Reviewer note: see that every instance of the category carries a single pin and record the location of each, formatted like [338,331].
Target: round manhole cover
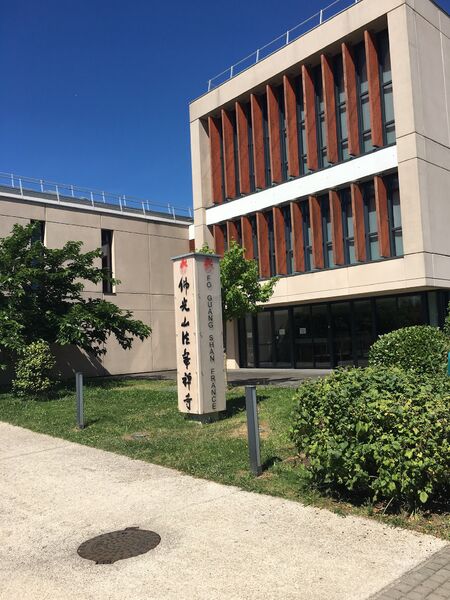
[108,548]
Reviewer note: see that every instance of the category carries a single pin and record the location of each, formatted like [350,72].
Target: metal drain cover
[108,548]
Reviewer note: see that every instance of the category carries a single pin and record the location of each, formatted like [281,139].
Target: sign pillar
[199,334]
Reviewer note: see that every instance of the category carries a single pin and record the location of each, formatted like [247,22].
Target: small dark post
[80,406]
[253,430]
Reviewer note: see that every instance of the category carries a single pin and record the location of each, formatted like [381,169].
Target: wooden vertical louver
[310,119]
[273,115]
[381,202]
[358,222]
[336,227]
[258,141]
[228,155]
[263,245]
[315,215]
[351,97]
[215,142]
[280,241]
[247,237]
[243,156]
[373,78]
[290,103]
[329,96]
[297,237]
[219,240]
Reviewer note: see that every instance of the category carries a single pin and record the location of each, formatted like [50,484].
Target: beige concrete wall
[142,251]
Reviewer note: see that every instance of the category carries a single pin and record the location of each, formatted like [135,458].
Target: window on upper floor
[283,133]
[266,142]
[288,238]
[320,118]
[341,109]
[387,97]
[38,234]
[365,132]
[307,235]
[395,215]
[250,147]
[347,227]
[107,259]
[254,237]
[272,262]
[371,222]
[328,257]
[301,126]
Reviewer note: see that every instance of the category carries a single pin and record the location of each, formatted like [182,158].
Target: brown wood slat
[329,95]
[315,215]
[258,141]
[191,245]
[273,117]
[232,232]
[337,230]
[290,107]
[310,119]
[243,156]
[247,237]
[228,155]
[280,241]
[219,240]
[214,127]
[297,237]
[358,222]
[381,202]
[263,245]
[373,78]
[351,99]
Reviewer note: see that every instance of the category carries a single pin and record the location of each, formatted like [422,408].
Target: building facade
[329,161]
[137,242]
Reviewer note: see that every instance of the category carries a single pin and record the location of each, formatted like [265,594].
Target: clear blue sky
[96,92]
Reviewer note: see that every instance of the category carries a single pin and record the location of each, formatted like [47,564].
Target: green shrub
[447,322]
[376,434]
[420,348]
[33,370]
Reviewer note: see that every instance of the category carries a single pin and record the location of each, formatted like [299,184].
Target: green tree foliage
[33,370]
[242,292]
[447,322]
[41,298]
[420,348]
[380,434]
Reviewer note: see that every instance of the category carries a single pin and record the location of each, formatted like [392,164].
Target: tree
[242,292]
[41,298]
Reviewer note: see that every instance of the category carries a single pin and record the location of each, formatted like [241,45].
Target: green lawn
[117,410]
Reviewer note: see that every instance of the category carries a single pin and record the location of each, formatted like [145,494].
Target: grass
[139,419]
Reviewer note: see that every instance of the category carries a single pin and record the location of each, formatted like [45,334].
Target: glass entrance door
[282,337]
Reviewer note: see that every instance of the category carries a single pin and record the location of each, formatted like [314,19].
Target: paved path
[217,541]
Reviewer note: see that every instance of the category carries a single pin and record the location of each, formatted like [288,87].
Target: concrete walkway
[217,541]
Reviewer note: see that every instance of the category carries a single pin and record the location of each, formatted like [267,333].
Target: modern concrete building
[329,161]
[138,241]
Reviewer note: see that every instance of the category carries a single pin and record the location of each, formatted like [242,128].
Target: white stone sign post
[199,335]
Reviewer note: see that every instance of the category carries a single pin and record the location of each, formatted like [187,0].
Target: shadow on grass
[237,405]
[270,462]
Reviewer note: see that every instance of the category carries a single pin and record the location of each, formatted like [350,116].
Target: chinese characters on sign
[198,321]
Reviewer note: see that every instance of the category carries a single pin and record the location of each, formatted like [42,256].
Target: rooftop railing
[72,194]
[326,13]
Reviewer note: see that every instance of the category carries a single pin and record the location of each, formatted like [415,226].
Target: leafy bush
[33,370]
[376,433]
[420,348]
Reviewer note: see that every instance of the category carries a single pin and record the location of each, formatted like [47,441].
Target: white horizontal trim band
[309,185]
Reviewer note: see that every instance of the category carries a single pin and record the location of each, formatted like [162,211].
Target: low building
[329,161]
[138,240]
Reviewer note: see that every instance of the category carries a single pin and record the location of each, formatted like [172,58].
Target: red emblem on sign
[183,265]
[208,264]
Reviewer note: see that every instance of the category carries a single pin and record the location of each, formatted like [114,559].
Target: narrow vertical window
[327,232]
[307,235]
[395,216]
[387,100]
[107,259]
[341,109]
[38,234]
[288,238]
[347,226]
[283,133]
[269,218]
[235,151]
[266,142]
[254,237]
[301,128]
[248,113]
[365,132]
[371,222]
[224,229]
[320,121]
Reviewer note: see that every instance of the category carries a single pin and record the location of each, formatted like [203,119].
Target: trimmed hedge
[33,370]
[421,348]
[379,434]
